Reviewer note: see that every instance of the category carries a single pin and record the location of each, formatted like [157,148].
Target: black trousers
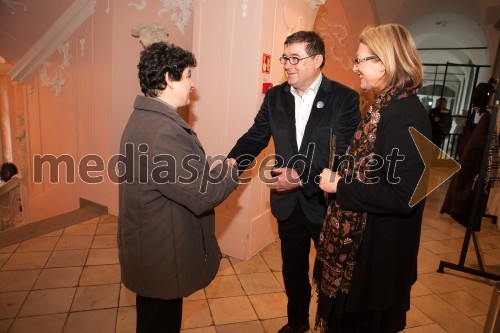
[296,233]
[156,315]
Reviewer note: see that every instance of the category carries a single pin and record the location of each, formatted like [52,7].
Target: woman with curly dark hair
[167,192]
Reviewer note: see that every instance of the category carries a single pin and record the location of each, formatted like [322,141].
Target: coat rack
[475,208]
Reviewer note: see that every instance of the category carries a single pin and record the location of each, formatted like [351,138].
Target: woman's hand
[328,181]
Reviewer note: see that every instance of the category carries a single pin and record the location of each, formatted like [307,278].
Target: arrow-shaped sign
[439,166]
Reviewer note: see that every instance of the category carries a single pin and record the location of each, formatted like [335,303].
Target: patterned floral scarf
[343,229]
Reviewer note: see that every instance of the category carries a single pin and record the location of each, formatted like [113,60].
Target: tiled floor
[69,281]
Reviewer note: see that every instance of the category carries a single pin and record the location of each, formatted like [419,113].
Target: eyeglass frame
[357,60]
[285,58]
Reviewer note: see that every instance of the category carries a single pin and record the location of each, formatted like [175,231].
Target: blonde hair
[395,47]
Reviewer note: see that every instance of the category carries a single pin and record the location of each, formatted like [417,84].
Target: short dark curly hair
[158,59]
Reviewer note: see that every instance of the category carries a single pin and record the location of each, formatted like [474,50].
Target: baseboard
[88,210]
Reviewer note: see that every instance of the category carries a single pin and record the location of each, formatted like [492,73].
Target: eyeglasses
[357,60]
[293,60]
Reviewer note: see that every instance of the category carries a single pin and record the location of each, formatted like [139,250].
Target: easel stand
[474,211]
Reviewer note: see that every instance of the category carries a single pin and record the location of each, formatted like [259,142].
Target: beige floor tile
[106,229]
[425,238]
[465,303]
[432,328]
[225,267]
[104,242]
[272,256]
[253,265]
[437,283]
[18,280]
[38,244]
[419,289]
[103,257]
[223,310]
[273,325]
[197,295]
[47,301]
[102,321]
[80,230]
[259,283]
[5,325]
[493,241]
[96,297]
[436,234]
[269,306]
[106,218]
[415,317]
[127,297]
[279,277]
[11,302]
[126,320]
[58,278]
[481,320]
[224,286]
[95,220]
[73,243]
[196,314]
[3,258]
[481,288]
[445,315]
[245,327]
[438,247]
[26,260]
[9,249]
[67,258]
[102,274]
[208,329]
[428,262]
[46,324]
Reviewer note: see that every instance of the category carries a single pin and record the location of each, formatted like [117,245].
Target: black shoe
[287,329]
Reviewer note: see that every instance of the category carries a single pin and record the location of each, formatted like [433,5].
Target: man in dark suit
[302,115]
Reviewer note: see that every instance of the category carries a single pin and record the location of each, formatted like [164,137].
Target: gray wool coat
[166,223]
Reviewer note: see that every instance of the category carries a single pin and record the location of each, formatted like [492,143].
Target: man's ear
[318,60]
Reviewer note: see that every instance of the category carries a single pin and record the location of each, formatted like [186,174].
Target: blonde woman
[367,258]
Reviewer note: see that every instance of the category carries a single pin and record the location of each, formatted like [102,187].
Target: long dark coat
[166,238]
[387,260]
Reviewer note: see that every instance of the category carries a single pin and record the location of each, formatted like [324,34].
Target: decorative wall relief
[315,3]
[21,137]
[138,6]
[244,7]
[181,14]
[290,28]
[150,33]
[57,81]
[82,45]
[335,35]
[12,5]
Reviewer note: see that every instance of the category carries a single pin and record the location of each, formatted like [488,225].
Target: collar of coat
[156,105]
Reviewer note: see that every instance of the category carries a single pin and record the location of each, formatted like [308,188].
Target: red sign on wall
[266,63]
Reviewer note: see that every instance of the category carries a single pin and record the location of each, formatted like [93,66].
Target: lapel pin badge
[320,104]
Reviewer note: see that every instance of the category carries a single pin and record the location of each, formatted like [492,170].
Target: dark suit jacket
[335,110]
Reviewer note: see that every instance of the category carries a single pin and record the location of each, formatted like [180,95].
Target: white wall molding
[60,31]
